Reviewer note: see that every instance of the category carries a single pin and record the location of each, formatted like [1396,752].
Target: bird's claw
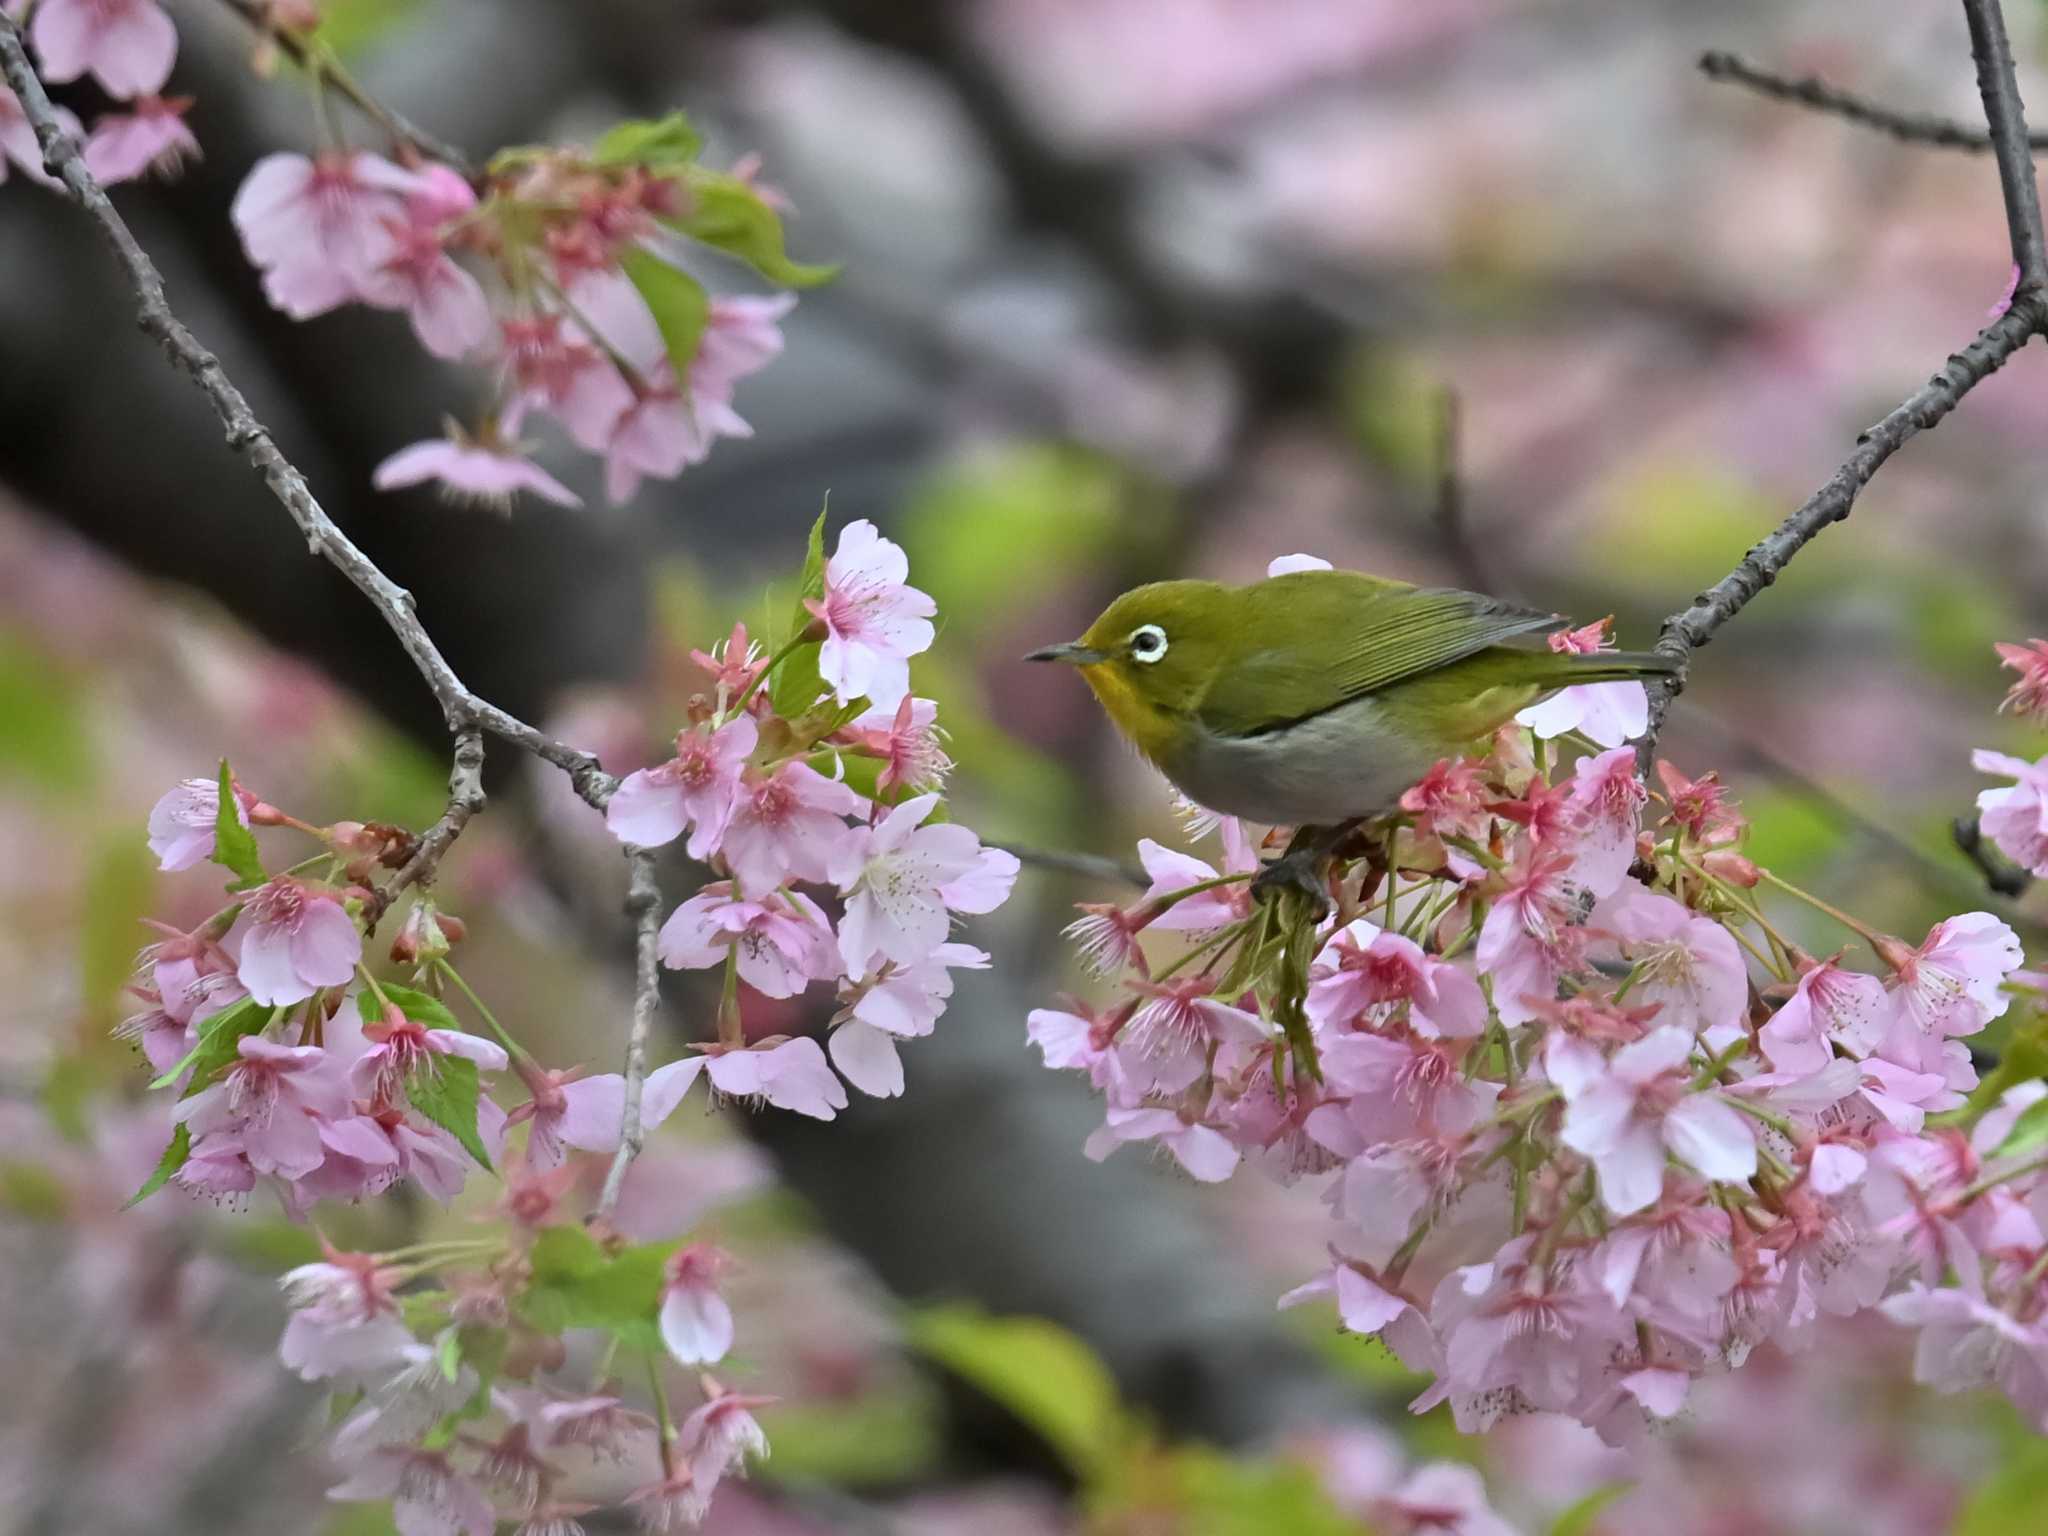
[1299,869]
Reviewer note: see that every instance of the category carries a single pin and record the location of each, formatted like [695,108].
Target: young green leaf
[678,302]
[2029,1133]
[660,143]
[726,213]
[444,1088]
[234,845]
[796,681]
[577,1285]
[173,1159]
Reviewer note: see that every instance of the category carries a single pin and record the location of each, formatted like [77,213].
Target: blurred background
[1132,289]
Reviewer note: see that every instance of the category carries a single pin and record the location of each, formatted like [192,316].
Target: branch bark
[1823,96]
[468,715]
[1690,628]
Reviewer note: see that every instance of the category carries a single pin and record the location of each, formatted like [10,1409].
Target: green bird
[1314,699]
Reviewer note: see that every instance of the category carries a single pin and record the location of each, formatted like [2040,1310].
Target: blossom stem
[1465,845]
[1180,962]
[1991,1181]
[478,1004]
[1861,930]
[663,1416]
[788,649]
[730,1033]
[375,990]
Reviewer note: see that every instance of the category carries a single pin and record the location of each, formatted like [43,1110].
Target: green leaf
[420,1007]
[678,302]
[577,1285]
[726,213]
[444,1088]
[2024,1058]
[234,845]
[2010,1500]
[220,1036]
[2028,1133]
[659,143]
[1580,1518]
[1037,1370]
[796,682]
[173,1159]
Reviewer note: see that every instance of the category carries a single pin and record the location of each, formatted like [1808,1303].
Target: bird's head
[1152,656]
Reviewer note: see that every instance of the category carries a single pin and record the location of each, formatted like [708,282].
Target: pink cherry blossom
[1369,1308]
[908,741]
[18,143]
[2016,817]
[902,1003]
[401,1047]
[697,789]
[784,941]
[1514,1330]
[787,825]
[789,1074]
[553,367]
[1687,964]
[151,138]
[1528,941]
[345,1323]
[1829,1004]
[318,229]
[271,1101]
[1610,713]
[1171,870]
[1203,1152]
[449,312]
[696,1323]
[1951,984]
[1639,1106]
[1607,797]
[742,335]
[291,940]
[716,1439]
[894,877]
[1365,975]
[1444,1498]
[874,622]
[1965,1342]
[126,45]
[181,823]
[2029,692]
[472,472]
[429,1497]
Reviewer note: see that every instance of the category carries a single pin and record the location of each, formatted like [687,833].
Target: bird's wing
[1375,634]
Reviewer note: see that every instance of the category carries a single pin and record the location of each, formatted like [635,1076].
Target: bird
[1314,699]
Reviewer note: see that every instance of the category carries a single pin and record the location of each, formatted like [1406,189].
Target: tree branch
[468,715]
[1690,628]
[1812,91]
[465,799]
[1999,876]
[643,904]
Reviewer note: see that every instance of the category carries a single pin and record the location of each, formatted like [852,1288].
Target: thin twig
[1690,628]
[643,905]
[1812,91]
[1998,83]
[1089,866]
[467,714]
[2003,878]
[259,16]
[465,799]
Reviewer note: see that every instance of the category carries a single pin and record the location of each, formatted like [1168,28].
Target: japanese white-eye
[1318,697]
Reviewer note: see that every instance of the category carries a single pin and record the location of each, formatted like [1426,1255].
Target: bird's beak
[1073,652]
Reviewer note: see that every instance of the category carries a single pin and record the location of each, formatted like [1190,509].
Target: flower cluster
[298,1069]
[127,47]
[2015,817]
[563,271]
[1588,1123]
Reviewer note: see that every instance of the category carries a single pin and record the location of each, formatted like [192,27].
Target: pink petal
[265,966]
[1710,1137]
[696,1324]
[646,811]
[868,1059]
[325,945]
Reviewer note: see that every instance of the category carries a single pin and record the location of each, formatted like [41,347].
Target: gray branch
[643,905]
[1823,96]
[1690,628]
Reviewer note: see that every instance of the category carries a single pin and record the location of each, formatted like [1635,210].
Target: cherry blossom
[787,824]
[696,1323]
[473,471]
[1365,976]
[2029,692]
[151,137]
[907,740]
[400,1046]
[900,1003]
[429,1497]
[784,942]
[1687,964]
[1529,939]
[1202,1151]
[1610,713]
[182,822]
[345,1321]
[874,622]
[895,877]
[1951,984]
[1639,1105]
[789,1074]
[319,229]
[270,1103]
[1829,1004]
[2016,816]
[1171,870]
[18,143]
[716,1439]
[291,940]
[449,312]
[696,789]
[126,45]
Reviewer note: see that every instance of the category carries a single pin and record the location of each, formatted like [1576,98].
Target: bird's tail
[1613,667]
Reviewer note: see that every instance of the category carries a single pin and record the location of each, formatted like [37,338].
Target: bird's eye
[1148,643]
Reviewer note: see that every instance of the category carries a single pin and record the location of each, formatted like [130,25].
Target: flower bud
[1726,864]
[424,937]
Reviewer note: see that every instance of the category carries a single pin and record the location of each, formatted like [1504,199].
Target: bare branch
[1998,83]
[2001,877]
[465,799]
[643,904]
[1812,91]
[1690,628]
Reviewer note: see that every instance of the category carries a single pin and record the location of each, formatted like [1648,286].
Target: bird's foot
[1303,868]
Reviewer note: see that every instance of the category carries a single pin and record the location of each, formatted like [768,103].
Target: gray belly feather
[1342,763]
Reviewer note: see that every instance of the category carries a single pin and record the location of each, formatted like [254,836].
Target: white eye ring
[1148,643]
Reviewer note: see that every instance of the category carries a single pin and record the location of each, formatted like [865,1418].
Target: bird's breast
[1342,763]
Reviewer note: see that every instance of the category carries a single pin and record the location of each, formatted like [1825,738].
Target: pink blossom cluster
[127,48]
[2015,816]
[1588,1123]
[562,271]
[761,790]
